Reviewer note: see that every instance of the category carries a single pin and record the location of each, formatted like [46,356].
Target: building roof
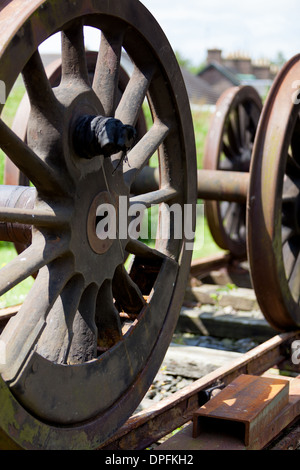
[199,91]
[225,71]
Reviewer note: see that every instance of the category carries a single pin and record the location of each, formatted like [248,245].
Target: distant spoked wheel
[273,201]
[91,334]
[228,147]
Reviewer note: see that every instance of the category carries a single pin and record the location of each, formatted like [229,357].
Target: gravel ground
[165,384]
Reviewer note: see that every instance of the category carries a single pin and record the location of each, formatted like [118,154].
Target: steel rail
[150,425]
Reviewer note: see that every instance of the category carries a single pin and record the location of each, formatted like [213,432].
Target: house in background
[199,91]
[236,69]
[218,77]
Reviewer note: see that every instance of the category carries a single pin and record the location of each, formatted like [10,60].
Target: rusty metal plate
[244,408]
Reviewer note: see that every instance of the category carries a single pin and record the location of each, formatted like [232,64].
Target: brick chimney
[214,55]
[239,63]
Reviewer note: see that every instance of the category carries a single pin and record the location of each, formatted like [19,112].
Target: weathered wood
[239,298]
[225,324]
[195,362]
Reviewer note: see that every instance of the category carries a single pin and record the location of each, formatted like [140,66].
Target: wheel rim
[229,146]
[54,371]
[273,233]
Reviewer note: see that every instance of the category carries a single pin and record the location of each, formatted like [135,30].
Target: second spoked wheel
[274,203]
[92,332]
[228,147]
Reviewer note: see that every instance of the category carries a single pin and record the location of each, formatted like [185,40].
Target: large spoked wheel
[273,215]
[91,334]
[229,146]
[12,174]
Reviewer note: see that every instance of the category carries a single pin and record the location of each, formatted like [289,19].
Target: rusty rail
[147,427]
[150,425]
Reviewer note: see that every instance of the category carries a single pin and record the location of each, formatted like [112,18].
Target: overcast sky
[259,28]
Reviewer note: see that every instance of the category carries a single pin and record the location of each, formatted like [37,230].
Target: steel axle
[212,185]
[218,185]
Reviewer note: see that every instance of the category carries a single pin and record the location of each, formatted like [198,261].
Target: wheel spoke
[289,201]
[38,87]
[138,248]
[232,217]
[290,190]
[286,234]
[225,209]
[154,197]
[249,139]
[295,142]
[228,151]
[28,162]
[235,220]
[294,278]
[254,113]
[243,122]
[127,294]
[226,164]
[139,156]
[228,212]
[106,78]
[56,339]
[292,168]
[35,217]
[74,65]
[84,340]
[133,97]
[289,257]
[242,232]
[23,331]
[107,318]
[29,262]
[235,123]
[232,135]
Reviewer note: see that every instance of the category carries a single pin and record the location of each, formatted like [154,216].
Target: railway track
[152,426]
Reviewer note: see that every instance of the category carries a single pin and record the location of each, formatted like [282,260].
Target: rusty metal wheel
[273,200]
[228,147]
[91,334]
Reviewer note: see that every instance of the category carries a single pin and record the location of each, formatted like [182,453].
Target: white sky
[259,28]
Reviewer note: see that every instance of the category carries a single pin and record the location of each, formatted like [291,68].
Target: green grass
[16,295]
[201,120]
[204,244]
[7,250]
